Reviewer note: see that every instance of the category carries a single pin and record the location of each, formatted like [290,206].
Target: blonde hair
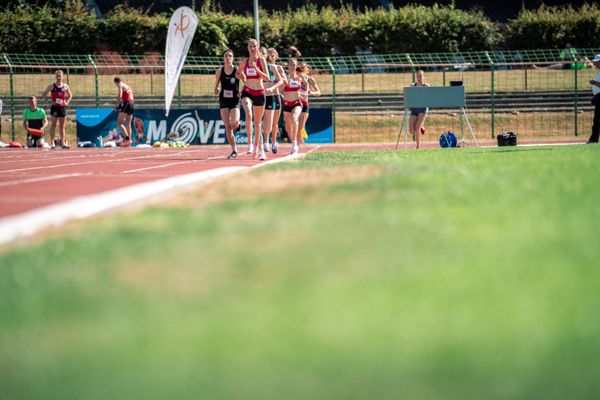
[271,51]
[254,41]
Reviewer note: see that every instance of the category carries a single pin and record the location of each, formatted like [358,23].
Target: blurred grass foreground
[439,274]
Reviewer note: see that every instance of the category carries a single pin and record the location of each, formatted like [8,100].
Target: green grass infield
[437,274]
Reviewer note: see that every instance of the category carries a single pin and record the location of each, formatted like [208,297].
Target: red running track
[34,178]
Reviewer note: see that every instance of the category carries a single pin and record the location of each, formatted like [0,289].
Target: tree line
[73,29]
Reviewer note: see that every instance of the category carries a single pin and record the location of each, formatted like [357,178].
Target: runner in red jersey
[292,106]
[252,71]
[61,96]
[124,107]
[309,87]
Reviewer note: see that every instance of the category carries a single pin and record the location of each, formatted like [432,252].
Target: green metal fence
[531,92]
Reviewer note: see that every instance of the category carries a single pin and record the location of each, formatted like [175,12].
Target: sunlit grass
[440,274]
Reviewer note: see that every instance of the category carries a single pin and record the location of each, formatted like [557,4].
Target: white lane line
[76,163]
[41,179]
[29,223]
[289,157]
[171,164]
[103,160]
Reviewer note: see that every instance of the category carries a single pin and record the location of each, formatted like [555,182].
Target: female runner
[273,105]
[252,71]
[418,115]
[309,87]
[292,107]
[226,79]
[124,106]
[61,97]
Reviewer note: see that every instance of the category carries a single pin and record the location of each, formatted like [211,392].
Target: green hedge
[317,32]
[32,29]
[551,27]
[426,29]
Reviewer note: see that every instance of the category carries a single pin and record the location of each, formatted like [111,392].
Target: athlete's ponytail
[303,68]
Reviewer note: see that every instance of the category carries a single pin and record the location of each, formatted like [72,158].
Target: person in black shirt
[227,87]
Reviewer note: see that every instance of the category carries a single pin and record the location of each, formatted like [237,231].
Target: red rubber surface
[33,178]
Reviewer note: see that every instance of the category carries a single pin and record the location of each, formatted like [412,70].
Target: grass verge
[438,274]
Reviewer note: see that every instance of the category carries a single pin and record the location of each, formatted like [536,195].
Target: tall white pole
[256,26]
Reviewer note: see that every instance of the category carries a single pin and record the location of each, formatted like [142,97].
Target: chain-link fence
[534,93]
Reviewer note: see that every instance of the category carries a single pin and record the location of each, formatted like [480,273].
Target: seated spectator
[34,123]
[569,53]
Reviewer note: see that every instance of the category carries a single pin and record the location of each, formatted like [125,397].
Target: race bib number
[251,72]
[59,101]
[228,93]
[294,84]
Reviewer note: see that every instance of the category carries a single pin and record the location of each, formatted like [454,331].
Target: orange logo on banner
[181,27]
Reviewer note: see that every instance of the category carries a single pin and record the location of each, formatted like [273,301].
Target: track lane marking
[171,164]
[43,179]
[30,222]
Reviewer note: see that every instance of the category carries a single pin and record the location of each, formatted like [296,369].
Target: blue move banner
[193,126]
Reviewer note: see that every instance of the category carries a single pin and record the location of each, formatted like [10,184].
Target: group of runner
[267,90]
[34,118]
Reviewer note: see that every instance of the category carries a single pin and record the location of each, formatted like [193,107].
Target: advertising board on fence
[193,126]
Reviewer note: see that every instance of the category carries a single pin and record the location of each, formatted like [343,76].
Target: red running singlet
[127,96]
[58,95]
[293,85]
[250,72]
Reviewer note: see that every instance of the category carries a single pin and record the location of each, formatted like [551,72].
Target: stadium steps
[362,103]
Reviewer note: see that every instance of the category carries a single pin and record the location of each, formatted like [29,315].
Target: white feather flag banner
[179,38]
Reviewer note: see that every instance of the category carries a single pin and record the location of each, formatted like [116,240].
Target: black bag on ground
[507,139]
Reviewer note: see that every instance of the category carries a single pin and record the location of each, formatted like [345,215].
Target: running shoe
[126,143]
[275,148]
[250,149]
[262,156]
[294,149]
[266,148]
[66,145]
[233,155]
[422,130]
